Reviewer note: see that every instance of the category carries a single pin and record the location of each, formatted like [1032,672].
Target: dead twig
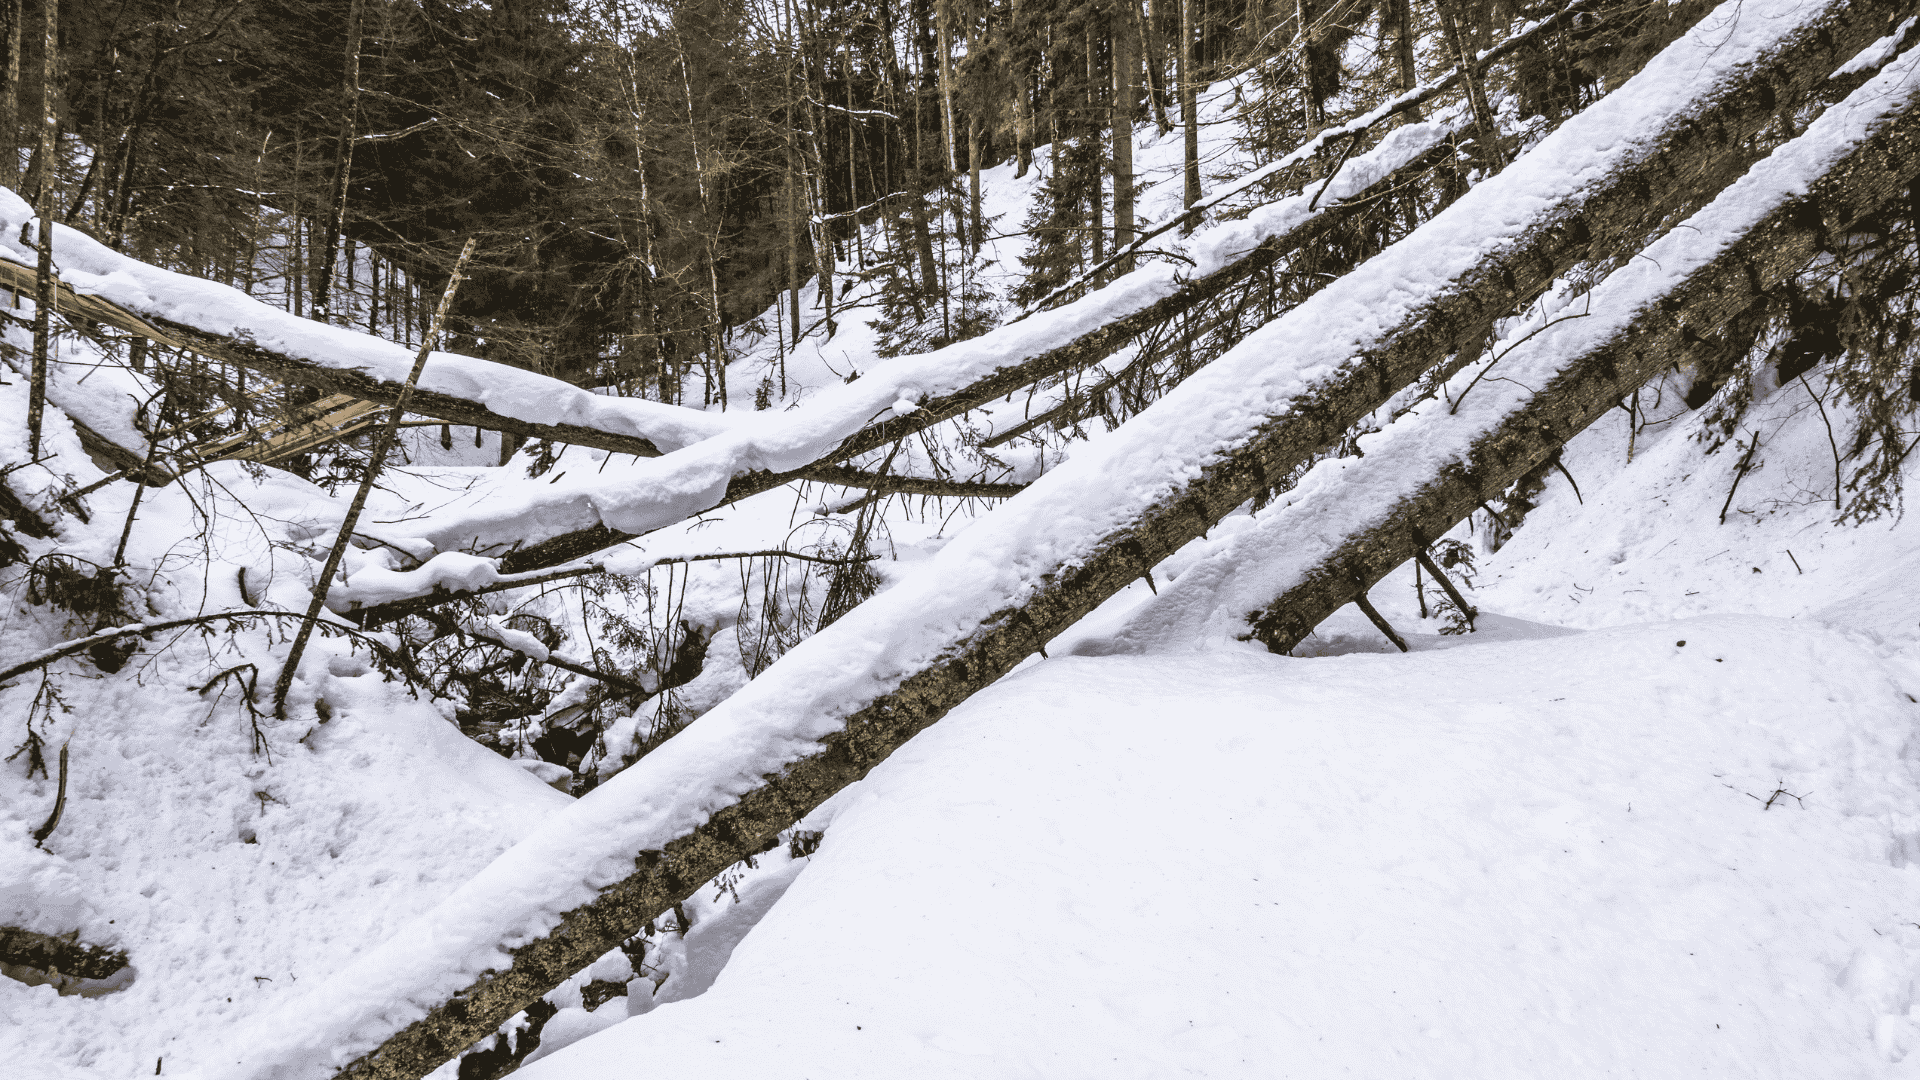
[59,804]
[381,447]
[1739,473]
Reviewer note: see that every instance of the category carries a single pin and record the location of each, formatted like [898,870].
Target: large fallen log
[1664,175]
[100,285]
[1277,581]
[835,706]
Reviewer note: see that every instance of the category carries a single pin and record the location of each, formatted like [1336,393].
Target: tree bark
[1680,329]
[14,12]
[1022,80]
[1126,93]
[44,284]
[65,954]
[1396,26]
[944,20]
[1154,55]
[1487,142]
[1189,119]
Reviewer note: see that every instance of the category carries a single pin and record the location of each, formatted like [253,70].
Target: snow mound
[1608,853]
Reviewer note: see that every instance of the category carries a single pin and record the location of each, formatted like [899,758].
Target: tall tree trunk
[944,20]
[1306,15]
[814,178]
[1126,92]
[1189,118]
[1154,53]
[14,12]
[974,153]
[717,343]
[1096,203]
[43,298]
[342,168]
[1021,76]
[297,260]
[1396,26]
[1486,148]
[794,203]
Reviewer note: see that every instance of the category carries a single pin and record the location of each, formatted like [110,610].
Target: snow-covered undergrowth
[228,855]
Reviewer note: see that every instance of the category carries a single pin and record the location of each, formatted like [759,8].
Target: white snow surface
[778,717]
[185,845]
[1529,859]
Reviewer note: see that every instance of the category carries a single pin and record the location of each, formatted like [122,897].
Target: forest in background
[644,179]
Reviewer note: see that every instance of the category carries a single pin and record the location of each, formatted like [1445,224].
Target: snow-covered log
[1353,520]
[1674,159]
[841,701]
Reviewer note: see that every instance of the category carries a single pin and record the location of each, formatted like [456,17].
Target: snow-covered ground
[1540,858]
[1659,817]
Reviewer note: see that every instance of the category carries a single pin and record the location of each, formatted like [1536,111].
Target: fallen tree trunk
[1480,456]
[834,707]
[1689,161]
[299,371]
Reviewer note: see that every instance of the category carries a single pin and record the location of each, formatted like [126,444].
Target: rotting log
[1682,328]
[975,659]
